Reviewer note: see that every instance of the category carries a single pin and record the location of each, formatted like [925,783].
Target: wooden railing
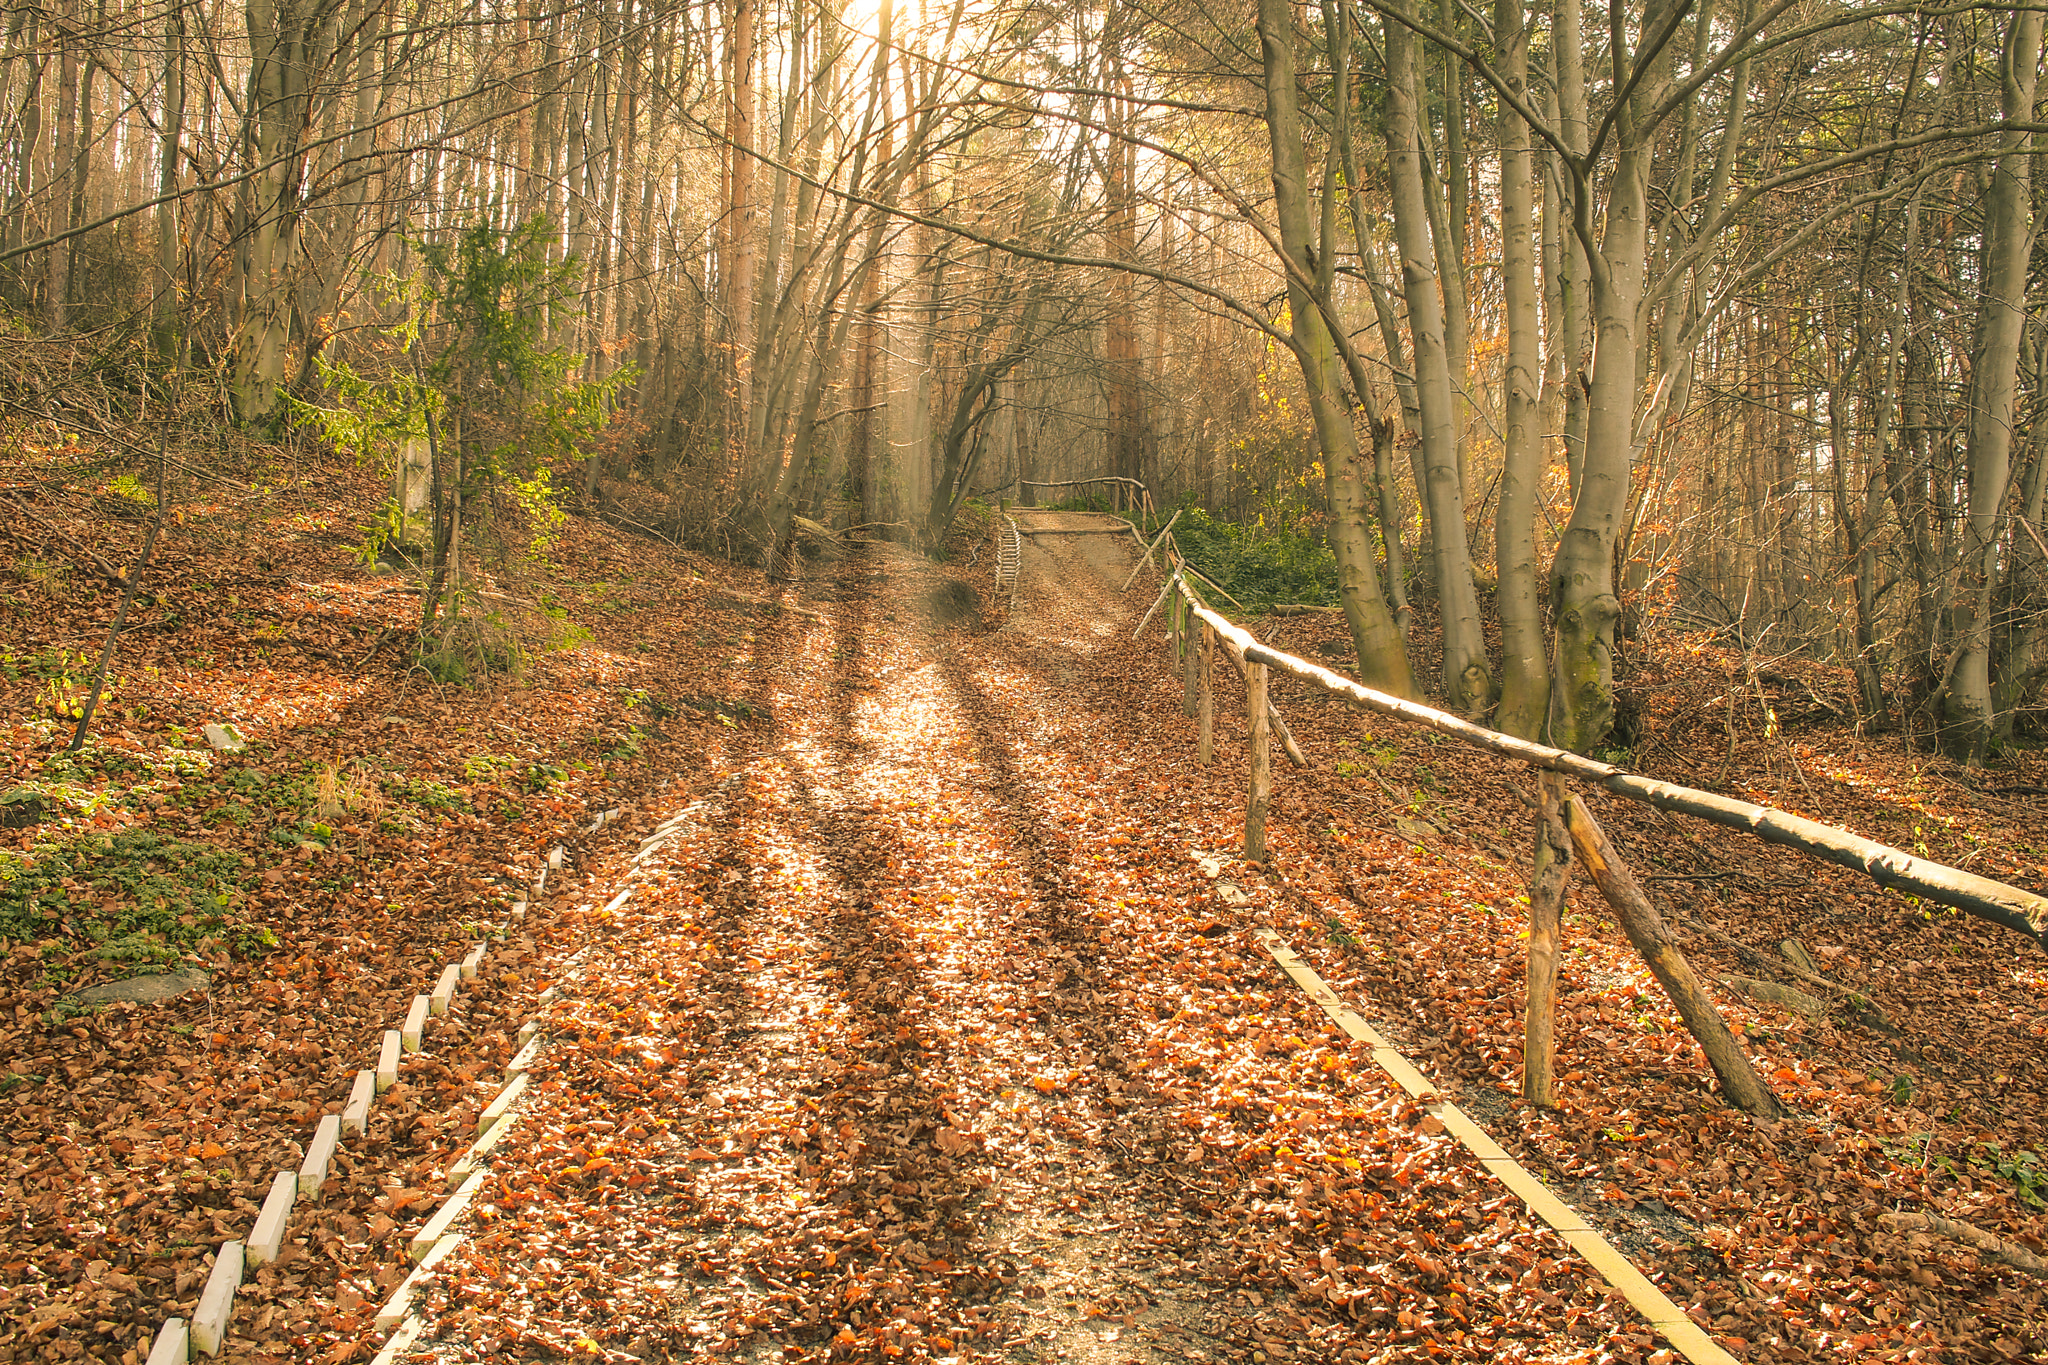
[1565,825]
[1126,495]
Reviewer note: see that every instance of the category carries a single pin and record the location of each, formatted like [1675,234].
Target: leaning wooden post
[1553,868]
[1189,665]
[1645,927]
[1262,763]
[1205,744]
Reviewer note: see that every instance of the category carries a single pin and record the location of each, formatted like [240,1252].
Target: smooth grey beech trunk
[1468,681]
[1968,714]
[1573,324]
[1582,573]
[1382,659]
[1524,675]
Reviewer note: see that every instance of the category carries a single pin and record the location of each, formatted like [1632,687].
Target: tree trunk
[289,41]
[1382,660]
[24,41]
[1260,795]
[1120,344]
[1969,716]
[2017,674]
[1525,675]
[1468,682]
[1575,329]
[1582,574]
[1450,213]
[738,275]
[169,216]
[64,174]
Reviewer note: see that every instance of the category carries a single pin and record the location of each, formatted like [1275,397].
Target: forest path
[924,1031]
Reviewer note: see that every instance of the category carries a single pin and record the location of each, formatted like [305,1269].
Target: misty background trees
[1554,323]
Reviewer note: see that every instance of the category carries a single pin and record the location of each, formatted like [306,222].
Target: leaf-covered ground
[935,1025]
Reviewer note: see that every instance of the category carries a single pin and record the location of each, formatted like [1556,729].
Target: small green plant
[383,532]
[420,791]
[562,633]
[192,765]
[48,578]
[131,490]
[481,767]
[138,949]
[540,777]
[2024,1169]
[471,645]
[627,744]
[87,763]
[55,665]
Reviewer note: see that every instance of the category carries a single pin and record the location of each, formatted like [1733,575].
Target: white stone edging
[179,1341]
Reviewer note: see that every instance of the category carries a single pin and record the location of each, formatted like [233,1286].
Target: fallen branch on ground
[1976,1238]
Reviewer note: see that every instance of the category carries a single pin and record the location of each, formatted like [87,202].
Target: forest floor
[935,1024]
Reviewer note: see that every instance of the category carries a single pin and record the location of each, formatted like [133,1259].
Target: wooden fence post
[1205,744]
[1189,666]
[1553,868]
[1262,763]
[1645,927]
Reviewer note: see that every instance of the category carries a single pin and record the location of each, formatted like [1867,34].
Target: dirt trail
[889,1055]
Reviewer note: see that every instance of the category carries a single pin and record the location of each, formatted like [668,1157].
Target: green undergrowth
[141,896]
[1257,563]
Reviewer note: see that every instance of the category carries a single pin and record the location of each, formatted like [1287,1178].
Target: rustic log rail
[2007,906]
[1995,901]
[1130,494]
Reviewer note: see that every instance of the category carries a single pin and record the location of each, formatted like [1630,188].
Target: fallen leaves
[930,1027]
[355,857]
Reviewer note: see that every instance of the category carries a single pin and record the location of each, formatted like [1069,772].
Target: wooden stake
[1156,604]
[1205,743]
[1139,567]
[1553,868]
[1262,764]
[1188,665]
[1645,927]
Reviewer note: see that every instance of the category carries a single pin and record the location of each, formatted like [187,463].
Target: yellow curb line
[1666,1318]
